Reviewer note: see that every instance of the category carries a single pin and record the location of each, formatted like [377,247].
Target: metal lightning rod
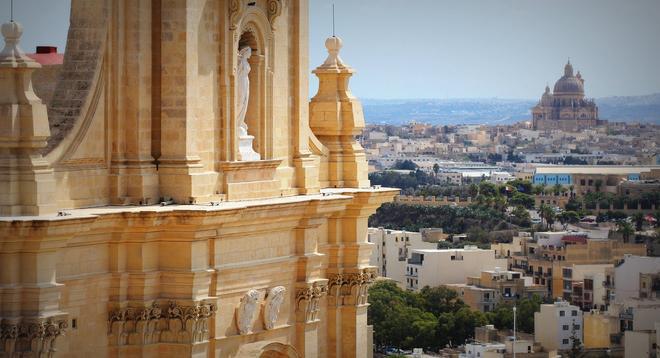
[11,10]
[333,20]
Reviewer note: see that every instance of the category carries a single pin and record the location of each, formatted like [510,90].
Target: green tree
[625,229]
[568,217]
[522,217]
[556,189]
[547,213]
[520,199]
[405,165]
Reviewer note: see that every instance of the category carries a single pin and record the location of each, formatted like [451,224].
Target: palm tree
[547,214]
[625,229]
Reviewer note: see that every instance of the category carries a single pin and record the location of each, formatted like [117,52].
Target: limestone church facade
[180,195]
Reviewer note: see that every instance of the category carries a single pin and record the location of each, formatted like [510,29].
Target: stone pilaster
[181,172]
[335,119]
[349,272]
[27,185]
[134,177]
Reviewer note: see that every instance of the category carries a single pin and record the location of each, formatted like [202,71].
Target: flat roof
[594,169]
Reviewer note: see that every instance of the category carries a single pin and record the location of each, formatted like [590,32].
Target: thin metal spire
[333,19]
[11,12]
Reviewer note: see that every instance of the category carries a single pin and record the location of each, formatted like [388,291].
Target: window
[564,341]
[582,182]
[576,327]
[574,313]
[562,313]
[565,327]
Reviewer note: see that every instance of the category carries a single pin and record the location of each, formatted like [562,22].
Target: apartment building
[545,257]
[492,287]
[433,267]
[393,248]
[557,325]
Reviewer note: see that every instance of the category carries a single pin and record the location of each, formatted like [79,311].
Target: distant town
[550,222]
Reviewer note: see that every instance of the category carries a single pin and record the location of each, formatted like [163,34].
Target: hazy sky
[459,48]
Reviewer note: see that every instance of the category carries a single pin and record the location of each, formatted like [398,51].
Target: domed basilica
[565,108]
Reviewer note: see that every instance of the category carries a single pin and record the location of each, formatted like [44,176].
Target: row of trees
[435,317]
[453,220]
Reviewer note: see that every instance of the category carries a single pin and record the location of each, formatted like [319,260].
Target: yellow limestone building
[180,195]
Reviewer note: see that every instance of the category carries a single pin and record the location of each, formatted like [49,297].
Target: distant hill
[498,111]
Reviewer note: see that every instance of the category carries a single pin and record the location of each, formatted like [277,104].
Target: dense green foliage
[435,317]
[502,316]
[453,220]
[429,319]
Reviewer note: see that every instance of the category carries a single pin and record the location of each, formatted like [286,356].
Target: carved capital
[31,335]
[351,288]
[307,299]
[166,322]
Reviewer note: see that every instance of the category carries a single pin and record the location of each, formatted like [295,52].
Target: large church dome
[569,84]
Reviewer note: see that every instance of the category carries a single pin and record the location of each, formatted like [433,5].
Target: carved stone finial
[12,54]
[333,45]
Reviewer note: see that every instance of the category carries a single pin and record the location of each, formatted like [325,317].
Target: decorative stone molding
[237,9]
[246,312]
[272,306]
[307,299]
[351,288]
[27,337]
[274,11]
[160,323]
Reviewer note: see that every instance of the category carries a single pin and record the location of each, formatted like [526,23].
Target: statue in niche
[246,152]
[243,88]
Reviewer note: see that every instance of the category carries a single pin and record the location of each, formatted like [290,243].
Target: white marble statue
[243,89]
[245,149]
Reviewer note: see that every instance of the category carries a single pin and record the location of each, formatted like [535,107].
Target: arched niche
[255,32]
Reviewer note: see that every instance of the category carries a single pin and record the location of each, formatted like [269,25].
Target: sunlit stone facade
[129,226]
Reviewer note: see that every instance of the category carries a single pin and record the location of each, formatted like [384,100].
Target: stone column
[336,118]
[134,177]
[27,186]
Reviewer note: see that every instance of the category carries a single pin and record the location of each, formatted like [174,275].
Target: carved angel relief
[272,306]
[246,312]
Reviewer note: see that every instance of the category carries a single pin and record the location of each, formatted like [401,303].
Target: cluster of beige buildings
[131,223]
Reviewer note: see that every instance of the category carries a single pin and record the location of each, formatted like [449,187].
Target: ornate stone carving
[160,323]
[274,11]
[237,9]
[351,288]
[272,306]
[31,336]
[307,299]
[246,312]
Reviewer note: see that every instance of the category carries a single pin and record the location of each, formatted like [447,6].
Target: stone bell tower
[26,179]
